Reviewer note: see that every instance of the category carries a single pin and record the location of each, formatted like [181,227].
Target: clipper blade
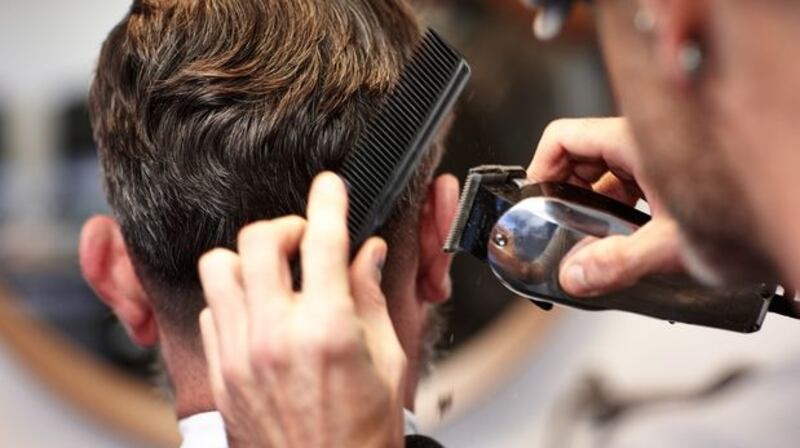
[453,242]
[480,205]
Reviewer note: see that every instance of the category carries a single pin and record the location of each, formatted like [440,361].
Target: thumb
[366,274]
[617,262]
[370,306]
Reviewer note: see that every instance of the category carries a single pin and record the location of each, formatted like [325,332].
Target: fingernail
[576,278]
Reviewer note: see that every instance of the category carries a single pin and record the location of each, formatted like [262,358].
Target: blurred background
[510,374]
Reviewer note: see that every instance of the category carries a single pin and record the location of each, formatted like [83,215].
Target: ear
[433,279]
[109,271]
[679,22]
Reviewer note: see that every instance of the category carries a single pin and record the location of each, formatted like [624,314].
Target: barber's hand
[321,367]
[601,154]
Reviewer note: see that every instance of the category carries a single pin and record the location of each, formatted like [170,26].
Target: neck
[187,371]
[186,365]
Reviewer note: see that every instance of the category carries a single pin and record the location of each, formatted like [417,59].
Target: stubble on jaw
[682,157]
[689,171]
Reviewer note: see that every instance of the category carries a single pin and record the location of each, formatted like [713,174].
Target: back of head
[210,114]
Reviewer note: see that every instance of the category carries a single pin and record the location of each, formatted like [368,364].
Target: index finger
[583,150]
[325,249]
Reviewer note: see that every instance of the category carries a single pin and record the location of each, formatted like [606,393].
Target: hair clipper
[524,230]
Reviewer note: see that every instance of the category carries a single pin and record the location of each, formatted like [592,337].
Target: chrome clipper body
[523,231]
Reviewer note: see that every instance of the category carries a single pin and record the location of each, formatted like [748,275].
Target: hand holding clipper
[601,155]
[527,232]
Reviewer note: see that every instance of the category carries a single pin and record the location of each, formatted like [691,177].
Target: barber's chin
[716,266]
[700,268]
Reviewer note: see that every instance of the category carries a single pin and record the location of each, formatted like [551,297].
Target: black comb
[390,148]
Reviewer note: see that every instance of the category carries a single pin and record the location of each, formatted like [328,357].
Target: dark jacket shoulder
[421,442]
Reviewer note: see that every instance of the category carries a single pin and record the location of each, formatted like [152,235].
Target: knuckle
[255,233]
[272,353]
[329,342]
[328,242]
[556,126]
[552,126]
[293,220]
[612,261]
[284,229]
[211,261]
[340,347]
[233,375]
[215,292]
[346,344]
[330,236]
[621,123]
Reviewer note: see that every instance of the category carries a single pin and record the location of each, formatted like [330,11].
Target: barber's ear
[108,269]
[438,213]
[679,23]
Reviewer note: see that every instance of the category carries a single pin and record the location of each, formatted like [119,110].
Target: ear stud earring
[691,58]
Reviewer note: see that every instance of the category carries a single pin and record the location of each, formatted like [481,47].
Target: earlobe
[679,51]
[438,213]
[108,269]
[671,54]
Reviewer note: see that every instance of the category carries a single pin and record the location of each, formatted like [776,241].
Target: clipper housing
[524,231]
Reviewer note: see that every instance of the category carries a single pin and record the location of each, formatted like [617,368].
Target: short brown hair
[210,114]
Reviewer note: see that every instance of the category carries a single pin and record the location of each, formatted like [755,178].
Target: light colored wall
[47,52]
[30,30]
[32,417]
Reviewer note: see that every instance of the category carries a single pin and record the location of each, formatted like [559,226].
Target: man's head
[708,86]
[211,114]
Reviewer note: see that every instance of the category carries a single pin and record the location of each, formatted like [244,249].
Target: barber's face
[682,141]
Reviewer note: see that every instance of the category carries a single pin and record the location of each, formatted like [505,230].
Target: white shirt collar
[411,423]
[207,430]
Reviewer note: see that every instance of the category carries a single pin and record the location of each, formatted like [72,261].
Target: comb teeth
[391,146]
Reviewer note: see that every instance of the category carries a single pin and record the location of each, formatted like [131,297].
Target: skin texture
[316,367]
[322,366]
[601,154]
[694,143]
[423,284]
[686,129]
